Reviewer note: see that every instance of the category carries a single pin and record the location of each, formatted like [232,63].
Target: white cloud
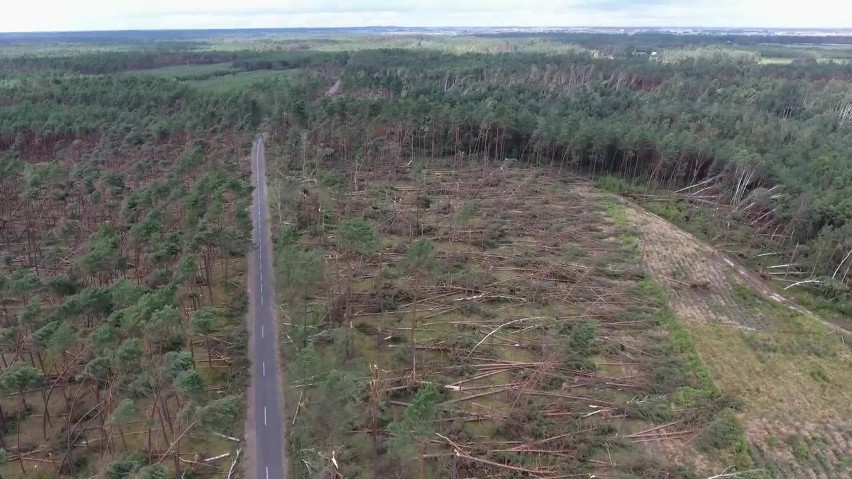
[46,15]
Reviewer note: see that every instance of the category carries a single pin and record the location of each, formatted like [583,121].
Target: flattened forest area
[553,255]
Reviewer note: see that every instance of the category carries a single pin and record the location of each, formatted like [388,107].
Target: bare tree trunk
[413,343]
[165,412]
[18,432]
[5,311]
[123,439]
[841,264]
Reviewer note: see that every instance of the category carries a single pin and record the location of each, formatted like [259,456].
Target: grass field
[216,78]
[791,370]
[186,71]
[451,44]
[239,81]
[775,61]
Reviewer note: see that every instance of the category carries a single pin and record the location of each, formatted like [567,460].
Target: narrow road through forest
[265,425]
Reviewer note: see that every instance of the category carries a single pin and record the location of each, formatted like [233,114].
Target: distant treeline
[668,40]
[121,61]
[755,128]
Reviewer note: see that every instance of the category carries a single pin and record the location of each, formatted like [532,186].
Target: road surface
[265,428]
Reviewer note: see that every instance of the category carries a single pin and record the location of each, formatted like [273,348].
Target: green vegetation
[188,72]
[240,81]
[448,358]
[123,224]
[453,292]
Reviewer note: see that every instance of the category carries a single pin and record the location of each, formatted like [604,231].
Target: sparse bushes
[123,468]
[618,215]
[409,436]
[333,180]
[423,202]
[655,409]
[467,212]
[722,432]
[617,185]
[332,409]
[461,276]
[799,447]
[221,415]
[579,344]
[490,237]
[765,344]
[818,375]
[644,467]
[650,292]
[668,374]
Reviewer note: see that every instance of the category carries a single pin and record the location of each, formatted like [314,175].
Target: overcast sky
[51,15]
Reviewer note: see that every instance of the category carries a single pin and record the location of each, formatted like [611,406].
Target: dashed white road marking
[264,415]
[264,369]
[262,335]
[261,300]
[267,473]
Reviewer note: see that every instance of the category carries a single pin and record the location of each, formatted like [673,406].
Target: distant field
[775,61]
[52,49]
[226,83]
[220,76]
[186,71]
[457,45]
[788,61]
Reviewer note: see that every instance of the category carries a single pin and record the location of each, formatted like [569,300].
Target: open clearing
[791,370]
[554,352]
[186,71]
[239,81]
[215,78]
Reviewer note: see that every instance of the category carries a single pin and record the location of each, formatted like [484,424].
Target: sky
[72,15]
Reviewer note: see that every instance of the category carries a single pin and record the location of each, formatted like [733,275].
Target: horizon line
[844,30]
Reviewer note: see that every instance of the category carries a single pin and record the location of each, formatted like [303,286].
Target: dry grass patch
[791,370]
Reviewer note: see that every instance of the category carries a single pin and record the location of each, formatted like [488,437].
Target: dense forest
[124,221]
[124,225]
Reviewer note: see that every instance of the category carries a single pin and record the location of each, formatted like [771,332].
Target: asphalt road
[266,424]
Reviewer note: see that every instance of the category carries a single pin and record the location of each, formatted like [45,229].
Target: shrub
[651,292]
[654,409]
[424,202]
[580,343]
[800,448]
[616,185]
[123,468]
[724,431]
